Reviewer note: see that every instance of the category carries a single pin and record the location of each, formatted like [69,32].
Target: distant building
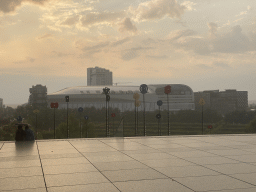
[99,76]
[1,103]
[121,97]
[222,101]
[38,96]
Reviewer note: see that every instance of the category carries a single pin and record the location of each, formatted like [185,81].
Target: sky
[205,44]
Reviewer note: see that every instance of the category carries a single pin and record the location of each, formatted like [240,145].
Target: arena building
[121,97]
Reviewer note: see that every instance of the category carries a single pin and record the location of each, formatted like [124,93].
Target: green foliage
[8,132]
[251,128]
[242,117]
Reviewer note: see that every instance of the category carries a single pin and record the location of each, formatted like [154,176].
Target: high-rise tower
[99,76]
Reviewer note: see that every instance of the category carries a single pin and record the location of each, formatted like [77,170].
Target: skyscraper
[99,76]
[38,96]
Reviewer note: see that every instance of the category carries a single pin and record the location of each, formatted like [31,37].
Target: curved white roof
[152,88]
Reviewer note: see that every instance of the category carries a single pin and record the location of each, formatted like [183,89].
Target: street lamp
[202,103]
[54,106]
[80,110]
[158,116]
[106,91]
[144,90]
[36,111]
[67,100]
[167,90]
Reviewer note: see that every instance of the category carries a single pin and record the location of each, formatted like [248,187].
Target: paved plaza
[223,163]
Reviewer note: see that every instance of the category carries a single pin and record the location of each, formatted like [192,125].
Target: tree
[251,128]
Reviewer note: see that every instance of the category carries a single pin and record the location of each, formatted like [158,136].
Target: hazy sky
[205,44]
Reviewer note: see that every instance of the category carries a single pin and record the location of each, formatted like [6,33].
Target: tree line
[43,122]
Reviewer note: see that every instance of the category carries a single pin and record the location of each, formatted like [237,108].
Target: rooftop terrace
[222,163]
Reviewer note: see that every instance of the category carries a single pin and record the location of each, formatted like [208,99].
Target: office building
[222,101]
[38,96]
[99,76]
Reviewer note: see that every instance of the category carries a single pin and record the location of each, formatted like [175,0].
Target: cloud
[232,42]
[89,51]
[241,13]
[120,42]
[149,41]
[213,28]
[175,35]
[132,53]
[129,55]
[158,57]
[100,18]
[31,59]
[28,59]
[8,6]
[69,21]
[203,66]
[157,9]
[48,35]
[222,65]
[127,25]
[61,54]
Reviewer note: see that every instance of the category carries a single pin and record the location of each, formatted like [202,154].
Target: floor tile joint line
[95,167]
[200,164]
[2,146]
[150,167]
[41,167]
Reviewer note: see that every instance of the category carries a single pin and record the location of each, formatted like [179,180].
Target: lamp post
[36,111]
[144,90]
[113,125]
[202,103]
[159,103]
[54,106]
[136,96]
[167,90]
[86,122]
[80,110]
[106,91]
[67,100]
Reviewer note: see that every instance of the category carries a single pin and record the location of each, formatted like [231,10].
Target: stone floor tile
[218,182]
[75,179]
[73,168]
[166,162]
[230,152]
[210,160]
[57,156]
[20,172]
[22,183]
[19,158]
[248,177]
[108,187]
[28,190]
[186,171]
[119,165]
[163,185]
[25,163]
[233,168]
[109,158]
[237,190]
[95,149]
[193,153]
[244,158]
[133,174]
[158,155]
[64,161]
